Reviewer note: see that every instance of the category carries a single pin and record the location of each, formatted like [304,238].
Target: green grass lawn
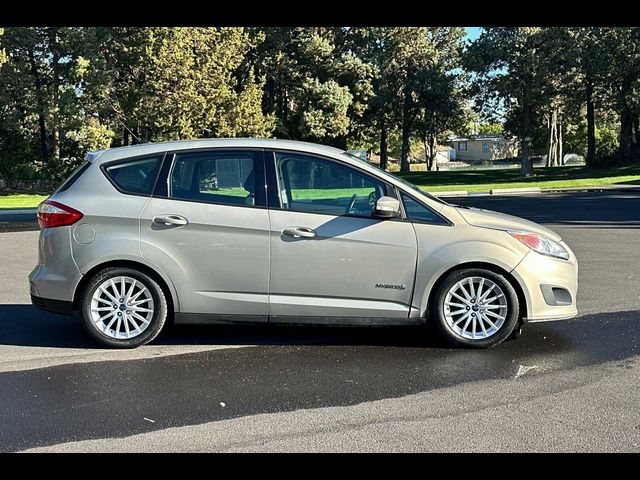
[470,180]
[10,200]
[555,177]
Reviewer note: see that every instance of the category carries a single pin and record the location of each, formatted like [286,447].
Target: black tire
[438,309]
[159,311]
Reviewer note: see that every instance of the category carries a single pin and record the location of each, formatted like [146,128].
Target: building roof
[482,137]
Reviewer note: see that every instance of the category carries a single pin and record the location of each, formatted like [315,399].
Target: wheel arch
[522,299]
[165,284]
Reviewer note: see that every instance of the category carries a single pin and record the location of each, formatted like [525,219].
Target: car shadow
[25,325]
[602,336]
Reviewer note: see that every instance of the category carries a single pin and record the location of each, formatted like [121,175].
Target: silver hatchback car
[273,231]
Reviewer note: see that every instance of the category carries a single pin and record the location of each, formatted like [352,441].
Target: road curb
[503,191]
[18,211]
[452,193]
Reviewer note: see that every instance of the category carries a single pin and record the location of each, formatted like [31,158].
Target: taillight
[55,214]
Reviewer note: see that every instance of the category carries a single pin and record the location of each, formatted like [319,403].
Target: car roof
[151,148]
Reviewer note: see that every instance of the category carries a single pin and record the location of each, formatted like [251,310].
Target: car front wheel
[123,308]
[475,308]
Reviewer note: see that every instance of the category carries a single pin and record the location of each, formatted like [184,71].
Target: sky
[473,32]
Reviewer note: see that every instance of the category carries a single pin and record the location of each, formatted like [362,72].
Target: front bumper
[538,274]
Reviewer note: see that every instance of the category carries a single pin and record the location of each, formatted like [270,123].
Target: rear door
[207,226]
[329,256]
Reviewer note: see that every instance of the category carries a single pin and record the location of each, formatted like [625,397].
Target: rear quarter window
[73,177]
[135,175]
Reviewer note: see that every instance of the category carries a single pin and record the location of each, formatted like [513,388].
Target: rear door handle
[298,232]
[170,220]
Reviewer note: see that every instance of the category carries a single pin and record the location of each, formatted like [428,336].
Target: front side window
[135,176]
[315,185]
[223,177]
[416,211]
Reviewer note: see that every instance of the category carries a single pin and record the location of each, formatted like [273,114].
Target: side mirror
[386,207]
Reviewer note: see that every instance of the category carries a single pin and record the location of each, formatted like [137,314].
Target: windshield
[395,177]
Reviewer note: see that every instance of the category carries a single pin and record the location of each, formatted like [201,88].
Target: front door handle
[170,220]
[298,232]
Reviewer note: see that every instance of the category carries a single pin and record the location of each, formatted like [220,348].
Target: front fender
[432,264]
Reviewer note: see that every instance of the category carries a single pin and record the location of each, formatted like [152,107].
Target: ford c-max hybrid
[274,231]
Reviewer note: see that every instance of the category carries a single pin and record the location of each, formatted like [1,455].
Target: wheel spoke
[118,325]
[490,289]
[110,323]
[140,317]
[472,288]
[489,300]
[453,304]
[480,285]
[495,315]
[106,292]
[140,292]
[140,309]
[464,290]
[458,312]
[102,309]
[466,315]
[103,318]
[484,330]
[115,290]
[466,302]
[466,323]
[123,288]
[131,288]
[493,307]
[486,319]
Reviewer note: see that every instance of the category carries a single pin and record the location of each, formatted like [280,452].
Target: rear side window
[135,176]
[230,177]
[73,177]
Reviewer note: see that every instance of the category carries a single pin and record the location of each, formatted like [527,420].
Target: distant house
[483,147]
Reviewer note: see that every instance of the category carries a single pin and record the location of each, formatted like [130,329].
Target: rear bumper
[54,306]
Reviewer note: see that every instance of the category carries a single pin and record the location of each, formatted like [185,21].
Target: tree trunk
[591,124]
[383,146]
[44,151]
[406,133]
[560,149]
[433,162]
[404,158]
[526,165]
[626,127]
[551,150]
[55,127]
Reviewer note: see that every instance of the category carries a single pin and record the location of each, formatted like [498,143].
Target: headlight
[541,244]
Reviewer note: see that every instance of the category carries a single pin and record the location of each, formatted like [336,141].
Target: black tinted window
[418,212]
[314,185]
[73,177]
[136,175]
[224,177]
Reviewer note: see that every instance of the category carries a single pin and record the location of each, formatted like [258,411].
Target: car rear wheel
[475,308]
[123,308]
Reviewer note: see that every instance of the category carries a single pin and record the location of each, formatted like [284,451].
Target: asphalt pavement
[562,386]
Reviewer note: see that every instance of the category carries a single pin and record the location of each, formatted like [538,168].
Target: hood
[501,221]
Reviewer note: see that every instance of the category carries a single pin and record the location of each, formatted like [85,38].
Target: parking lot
[563,386]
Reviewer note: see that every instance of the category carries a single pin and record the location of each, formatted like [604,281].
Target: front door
[208,228]
[329,256]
